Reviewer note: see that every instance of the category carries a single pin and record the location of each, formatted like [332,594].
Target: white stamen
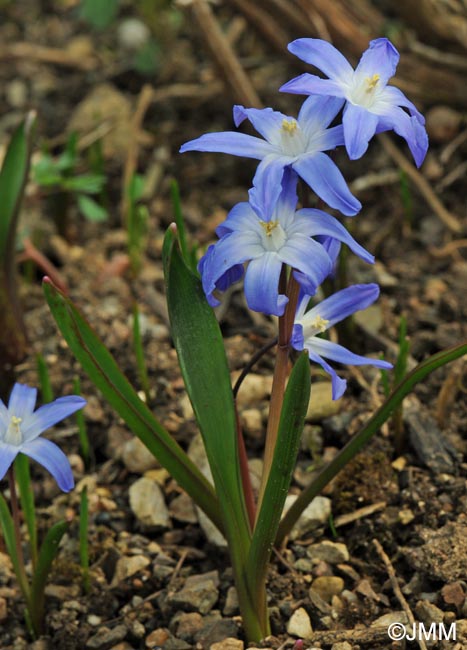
[13,435]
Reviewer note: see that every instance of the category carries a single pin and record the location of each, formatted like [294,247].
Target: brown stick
[43,54]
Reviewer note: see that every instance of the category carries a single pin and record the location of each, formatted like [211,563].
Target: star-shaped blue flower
[21,426]
[286,237]
[310,324]
[371,105]
[288,142]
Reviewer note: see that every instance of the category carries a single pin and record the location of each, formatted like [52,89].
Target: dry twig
[42,54]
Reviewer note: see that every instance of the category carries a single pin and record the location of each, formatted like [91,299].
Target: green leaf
[99,13]
[90,209]
[358,441]
[26,494]
[88,183]
[294,408]
[47,555]
[8,530]
[104,372]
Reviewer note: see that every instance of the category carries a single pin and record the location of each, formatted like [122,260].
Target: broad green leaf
[90,209]
[359,440]
[294,408]
[104,372]
[88,183]
[198,341]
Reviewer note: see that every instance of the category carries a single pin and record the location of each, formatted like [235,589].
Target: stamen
[320,324]
[269,226]
[13,434]
[371,82]
[289,126]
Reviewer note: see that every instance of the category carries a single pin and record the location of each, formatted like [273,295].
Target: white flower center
[274,236]
[364,91]
[292,138]
[13,435]
[316,326]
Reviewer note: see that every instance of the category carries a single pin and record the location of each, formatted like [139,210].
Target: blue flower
[21,426]
[309,324]
[298,143]
[285,238]
[371,105]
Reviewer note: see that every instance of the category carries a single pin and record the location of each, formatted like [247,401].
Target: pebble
[106,637]
[199,593]
[344,645]
[332,552]
[327,587]
[132,34]
[252,421]
[137,458]
[231,602]
[228,644]
[442,123]
[453,594]
[128,566]
[315,514]
[388,619]
[299,624]
[254,388]
[157,638]
[428,613]
[182,509]
[216,632]
[186,624]
[148,505]
[16,93]
[321,404]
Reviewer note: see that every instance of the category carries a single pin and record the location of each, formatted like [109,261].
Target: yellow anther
[371,82]
[290,126]
[320,324]
[16,421]
[269,226]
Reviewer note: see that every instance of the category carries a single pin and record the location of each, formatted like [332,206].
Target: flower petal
[359,127]
[318,112]
[409,128]
[267,184]
[22,401]
[4,418]
[337,352]
[308,258]
[381,58]
[342,304]
[338,384]
[310,84]
[323,56]
[316,222]
[241,217]
[261,285]
[8,454]
[237,144]
[49,414]
[265,120]
[324,178]
[392,96]
[50,456]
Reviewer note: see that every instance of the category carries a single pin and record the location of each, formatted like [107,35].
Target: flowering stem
[15,513]
[281,370]
[245,473]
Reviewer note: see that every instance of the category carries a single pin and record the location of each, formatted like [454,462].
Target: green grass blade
[82,430]
[26,495]
[8,530]
[139,354]
[296,399]
[104,372]
[359,440]
[44,380]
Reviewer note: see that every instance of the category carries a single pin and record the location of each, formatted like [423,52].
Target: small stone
[428,613]
[231,602]
[321,404]
[106,637]
[442,123]
[299,624]
[331,552]
[343,645]
[199,593]
[186,624]
[405,516]
[128,566]
[157,638]
[182,509]
[388,619]
[132,34]
[315,514]
[94,620]
[453,594]
[216,631]
[148,505]
[137,458]
[228,644]
[252,421]
[16,93]
[372,318]
[327,587]
[253,389]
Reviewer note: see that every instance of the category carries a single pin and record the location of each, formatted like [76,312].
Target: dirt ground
[394,542]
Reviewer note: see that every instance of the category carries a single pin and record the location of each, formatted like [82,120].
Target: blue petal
[394,96]
[318,112]
[241,217]
[380,58]
[49,414]
[22,401]
[410,128]
[359,127]
[316,222]
[338,384]
[310,84]
[261,285]
[324,178]
[237,144]
[309,258]
[8,454]
[53,459]
[4,418]
[287,202]
[265,120]
[343,303]
[268,185]
[338,353]
[323,56]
